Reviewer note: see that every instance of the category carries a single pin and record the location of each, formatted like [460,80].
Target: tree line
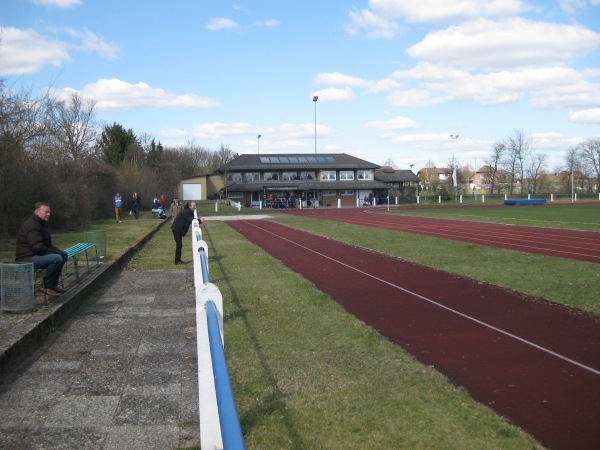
[56,151]
[515,166]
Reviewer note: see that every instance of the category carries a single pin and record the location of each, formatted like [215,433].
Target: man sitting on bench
[34,244]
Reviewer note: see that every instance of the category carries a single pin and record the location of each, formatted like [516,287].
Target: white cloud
[92,43]
[588,116]
[398,123]
[379,20]
[575,6]
[59,3]
[547,87]
[214,130]
[435,11]
[377,27]
[268,23]
[334,94]
[114,94]
[220,23]
[507,43]
[337,78]
[25,52]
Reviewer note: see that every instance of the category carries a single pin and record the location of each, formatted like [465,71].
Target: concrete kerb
[35,330]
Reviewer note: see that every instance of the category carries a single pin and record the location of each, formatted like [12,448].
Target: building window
[234,176]
[288,176]
[251,177]
[235,195]
[347,192]
[268,176]
[328,194]
[307,175]
[328,175]
[346,175]
[364,175]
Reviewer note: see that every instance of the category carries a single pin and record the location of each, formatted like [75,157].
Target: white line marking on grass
[473,319]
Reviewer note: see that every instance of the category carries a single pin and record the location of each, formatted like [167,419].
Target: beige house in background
[201,187]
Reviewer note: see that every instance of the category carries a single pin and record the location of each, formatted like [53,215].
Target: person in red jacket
[162,201]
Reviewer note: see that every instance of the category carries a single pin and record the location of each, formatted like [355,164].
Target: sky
[396,80]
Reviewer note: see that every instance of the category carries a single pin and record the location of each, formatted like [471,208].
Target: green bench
[75,255]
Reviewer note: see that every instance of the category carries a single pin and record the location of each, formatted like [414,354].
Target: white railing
[219,423]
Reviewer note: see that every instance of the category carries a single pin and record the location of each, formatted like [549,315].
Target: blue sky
[394,78]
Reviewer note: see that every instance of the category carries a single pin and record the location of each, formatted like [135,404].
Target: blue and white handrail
[219,423]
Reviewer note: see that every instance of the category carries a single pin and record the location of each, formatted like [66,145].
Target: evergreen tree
[114,143]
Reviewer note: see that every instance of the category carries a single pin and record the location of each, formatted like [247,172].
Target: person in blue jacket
[118,202]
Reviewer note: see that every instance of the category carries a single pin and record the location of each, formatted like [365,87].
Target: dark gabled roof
[387,175]
[305,185]
[296,161]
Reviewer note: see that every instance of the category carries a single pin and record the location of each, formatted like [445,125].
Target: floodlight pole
[258,139]
[315,98]
[572,183]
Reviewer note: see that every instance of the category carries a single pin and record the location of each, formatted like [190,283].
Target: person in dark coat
[180,227]
[34,244]
[136,205]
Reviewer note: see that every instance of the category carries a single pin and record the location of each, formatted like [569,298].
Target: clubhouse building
[333,179]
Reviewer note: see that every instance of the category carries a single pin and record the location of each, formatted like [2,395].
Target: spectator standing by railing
[180,227]
[118,202]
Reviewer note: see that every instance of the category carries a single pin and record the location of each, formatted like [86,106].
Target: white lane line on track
[450,235]
[454,311]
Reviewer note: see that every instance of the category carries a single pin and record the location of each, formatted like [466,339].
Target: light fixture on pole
[258,139]
[315,98]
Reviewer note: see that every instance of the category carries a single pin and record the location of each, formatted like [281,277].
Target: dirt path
[536,363]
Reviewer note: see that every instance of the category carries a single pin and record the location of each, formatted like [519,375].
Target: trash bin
[99,238]
[17,286]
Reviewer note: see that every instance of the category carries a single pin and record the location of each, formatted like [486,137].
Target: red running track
[572,244]
[536,363]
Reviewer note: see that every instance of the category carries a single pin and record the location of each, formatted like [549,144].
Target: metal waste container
[99,238]
[17,286]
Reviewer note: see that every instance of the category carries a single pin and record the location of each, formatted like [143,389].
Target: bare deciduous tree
[535,168]
[74,126]
[495,162]
[589,152]
[519,146]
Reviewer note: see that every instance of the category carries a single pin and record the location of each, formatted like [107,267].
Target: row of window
[326,175]
[323,193]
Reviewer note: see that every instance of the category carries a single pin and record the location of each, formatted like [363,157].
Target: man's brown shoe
[52,293]
[58,289]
